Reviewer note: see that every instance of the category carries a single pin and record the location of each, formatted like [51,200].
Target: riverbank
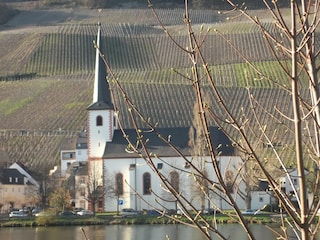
[103,219]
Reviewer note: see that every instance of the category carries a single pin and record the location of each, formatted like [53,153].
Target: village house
[72,150]
[18,189]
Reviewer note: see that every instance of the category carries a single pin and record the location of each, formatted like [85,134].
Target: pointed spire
[101,92]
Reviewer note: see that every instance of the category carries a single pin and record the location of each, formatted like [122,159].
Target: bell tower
[100,118]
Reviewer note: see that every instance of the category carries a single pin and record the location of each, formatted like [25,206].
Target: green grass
[75,105]
[15,106]
[109,219]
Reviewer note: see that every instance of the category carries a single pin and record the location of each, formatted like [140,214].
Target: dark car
[211,211]
[67,214]
[153,212]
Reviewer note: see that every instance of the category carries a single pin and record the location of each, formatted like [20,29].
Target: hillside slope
[47,64]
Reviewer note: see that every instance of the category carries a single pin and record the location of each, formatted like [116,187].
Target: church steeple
[101,93]
[101,121]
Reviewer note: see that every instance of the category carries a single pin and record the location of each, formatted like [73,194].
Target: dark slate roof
[68,143]
[100,106]
[179,137]
[263,185]
[78,168]
[13,173]
[103,93]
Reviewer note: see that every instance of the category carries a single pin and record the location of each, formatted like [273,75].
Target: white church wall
[99,135]
[133,176]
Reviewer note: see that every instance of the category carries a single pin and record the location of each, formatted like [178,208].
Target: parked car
[129,212]
[85,213]
[251,212]
[153,212]
[67,214]
[17,214]
[75,210]
[35,211]
[211,211]
[44,214]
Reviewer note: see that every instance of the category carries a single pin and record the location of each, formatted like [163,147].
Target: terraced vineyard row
[52,104]
[16,50]
[39,152]
[168,16]
[63,54]
[171,17]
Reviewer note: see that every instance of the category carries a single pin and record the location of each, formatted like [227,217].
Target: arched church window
[119,184]
[174,180]
[99,121]
[146,183]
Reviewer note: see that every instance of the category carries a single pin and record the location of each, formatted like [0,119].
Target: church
[127,178]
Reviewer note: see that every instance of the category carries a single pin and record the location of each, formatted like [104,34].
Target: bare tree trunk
[297,125]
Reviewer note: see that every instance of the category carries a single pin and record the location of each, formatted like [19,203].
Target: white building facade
[137,178]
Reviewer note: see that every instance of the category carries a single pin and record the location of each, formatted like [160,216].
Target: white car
[85,213]
[251,212]
[17,214]
[44,214]
[129,212]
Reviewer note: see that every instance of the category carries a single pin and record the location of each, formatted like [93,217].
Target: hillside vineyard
[46,76]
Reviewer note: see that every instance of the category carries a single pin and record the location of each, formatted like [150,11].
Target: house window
[260,199]
[114,121]
[82,192]
[16,179]
[174,180]
[146,183]
[10,179]
[82,181]
[159,165]
[82,204]
[99,121]
[100,204]
[295,181]
[68,155]
[132,166]
[119,184]
[229,180]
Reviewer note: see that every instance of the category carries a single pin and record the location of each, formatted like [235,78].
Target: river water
[129,232]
